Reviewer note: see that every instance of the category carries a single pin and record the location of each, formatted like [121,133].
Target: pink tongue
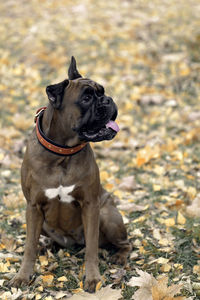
[113,125]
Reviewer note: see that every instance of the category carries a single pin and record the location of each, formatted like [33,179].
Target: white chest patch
[62,192]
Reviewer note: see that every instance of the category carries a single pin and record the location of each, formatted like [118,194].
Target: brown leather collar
[49,144]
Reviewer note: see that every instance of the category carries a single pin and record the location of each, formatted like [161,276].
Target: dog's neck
[53,129]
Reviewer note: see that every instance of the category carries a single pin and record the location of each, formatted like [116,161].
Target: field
[146,54]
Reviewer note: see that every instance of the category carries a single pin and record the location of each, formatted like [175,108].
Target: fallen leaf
[130,207]
[146,154]
[104,294]
[21,122]
[98,286]
[156,187]
[2,282]
[157,234]
[128,183]
[191,191]
[47,279]
[194,208]
[154,99]
[162,291]
[196,269]
[162,260]
[43,260]
[181,219]
[104,175]
[145,281]
[62,278]
[61,294]
[140,219]
[153,289]
[168,222]
[4,267]
[165,268]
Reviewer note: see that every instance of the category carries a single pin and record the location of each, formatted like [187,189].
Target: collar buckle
[38,112]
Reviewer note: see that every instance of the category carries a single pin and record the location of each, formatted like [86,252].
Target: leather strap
[49,144]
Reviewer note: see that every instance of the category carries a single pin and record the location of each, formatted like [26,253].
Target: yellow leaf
[162,260]
[185,71]
[140,161]
[181,219]
[109,186]
[104,175]
[76,291]
[1,156]
[191,191]
[165,268]
[169,222]
[142,250]
[118,193]
[159,170]
[156,187]
[140,262]
[140,219]
[196,269]
[24,226]
[21,122]
[178,266]
[62,278]
[2,246]
[164,242]
[4,267]
[47,279]
[98,286]
[146,154]
[162,291]
[43,260]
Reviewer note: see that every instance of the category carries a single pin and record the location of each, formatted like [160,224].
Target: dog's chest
[62,192]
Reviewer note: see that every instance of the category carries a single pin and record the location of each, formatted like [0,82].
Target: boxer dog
[60,177]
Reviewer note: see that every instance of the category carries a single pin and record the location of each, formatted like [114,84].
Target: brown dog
[61,183]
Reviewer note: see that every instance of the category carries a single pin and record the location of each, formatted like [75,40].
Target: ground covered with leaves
[146,54]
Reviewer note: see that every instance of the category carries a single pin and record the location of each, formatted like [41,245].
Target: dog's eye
[87,98]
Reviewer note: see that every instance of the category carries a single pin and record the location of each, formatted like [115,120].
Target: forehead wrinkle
[85,82]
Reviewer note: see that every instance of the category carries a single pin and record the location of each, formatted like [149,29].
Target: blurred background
[146,54]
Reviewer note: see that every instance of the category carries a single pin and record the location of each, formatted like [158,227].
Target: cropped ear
[55,93]
[72,71]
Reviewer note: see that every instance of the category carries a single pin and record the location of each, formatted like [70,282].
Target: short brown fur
[93,210]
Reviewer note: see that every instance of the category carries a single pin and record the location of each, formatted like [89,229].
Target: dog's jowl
[60,177]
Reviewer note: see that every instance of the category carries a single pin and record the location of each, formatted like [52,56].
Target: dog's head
[83,106]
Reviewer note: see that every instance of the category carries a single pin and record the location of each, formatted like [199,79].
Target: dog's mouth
[99,133]
[107,132]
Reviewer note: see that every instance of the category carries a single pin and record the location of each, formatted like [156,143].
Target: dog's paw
[19,280]
[119,259]
[90,284]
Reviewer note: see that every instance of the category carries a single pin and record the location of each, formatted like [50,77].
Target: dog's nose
[105,100]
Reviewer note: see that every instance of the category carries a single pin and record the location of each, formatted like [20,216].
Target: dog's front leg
[90,217]
[34,221]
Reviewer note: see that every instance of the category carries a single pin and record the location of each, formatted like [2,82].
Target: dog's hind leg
[34,221]
[114,231]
